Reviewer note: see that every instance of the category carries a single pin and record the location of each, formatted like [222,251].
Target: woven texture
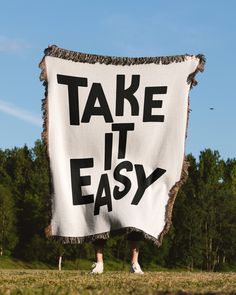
[115,130]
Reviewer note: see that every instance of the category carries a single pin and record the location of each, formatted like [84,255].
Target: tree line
[202,234]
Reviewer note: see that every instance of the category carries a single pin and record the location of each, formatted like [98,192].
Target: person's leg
[98,267]
[134,251]
[98,248]
[134,239]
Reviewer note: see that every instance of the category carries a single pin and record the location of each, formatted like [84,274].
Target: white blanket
[115,132]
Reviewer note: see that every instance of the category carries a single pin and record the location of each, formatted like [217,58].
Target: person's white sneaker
[97,267]
[135,268]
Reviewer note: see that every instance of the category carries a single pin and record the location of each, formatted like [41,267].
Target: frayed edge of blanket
[55,51]
[44,136]
[100,236]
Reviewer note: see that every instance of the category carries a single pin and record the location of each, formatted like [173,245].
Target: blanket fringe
[55,51]
[172,196]
[103,236]
[200,68]
[75,56]
[44,136]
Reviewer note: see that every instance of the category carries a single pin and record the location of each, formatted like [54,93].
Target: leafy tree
[202,235]
[227,216]
[187,220]
[8,238]
[210,192]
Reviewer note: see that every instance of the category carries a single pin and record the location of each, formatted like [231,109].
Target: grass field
[115,283]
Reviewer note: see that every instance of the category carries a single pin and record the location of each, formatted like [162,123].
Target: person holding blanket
[114,131]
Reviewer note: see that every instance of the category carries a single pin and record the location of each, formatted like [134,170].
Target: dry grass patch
[115,283]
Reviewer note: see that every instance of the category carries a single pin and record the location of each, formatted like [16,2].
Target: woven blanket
[115,129]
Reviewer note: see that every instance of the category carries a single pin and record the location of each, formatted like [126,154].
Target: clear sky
[123,28]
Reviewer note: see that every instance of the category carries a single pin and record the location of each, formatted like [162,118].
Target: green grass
[115,283]
[7,262]
[13,263]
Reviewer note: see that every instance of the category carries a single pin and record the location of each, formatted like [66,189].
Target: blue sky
[123,28]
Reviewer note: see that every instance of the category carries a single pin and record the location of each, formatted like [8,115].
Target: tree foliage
[202,235]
